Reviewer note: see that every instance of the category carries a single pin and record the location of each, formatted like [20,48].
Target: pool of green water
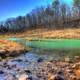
[57,47]
[50,43]
[55,44]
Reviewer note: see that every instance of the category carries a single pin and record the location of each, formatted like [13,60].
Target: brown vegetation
[10,48]
[49,33]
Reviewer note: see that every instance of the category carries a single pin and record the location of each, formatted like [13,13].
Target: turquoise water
[55,44]
[50,43]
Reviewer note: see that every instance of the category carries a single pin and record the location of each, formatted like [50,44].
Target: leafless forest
[56,16]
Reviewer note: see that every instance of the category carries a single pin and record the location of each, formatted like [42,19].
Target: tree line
[57,15]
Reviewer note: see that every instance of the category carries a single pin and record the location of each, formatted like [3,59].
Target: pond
[50,43]
[55,44]
[52,47]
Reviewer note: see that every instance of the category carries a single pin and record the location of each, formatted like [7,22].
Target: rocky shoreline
[11,48]
[32,67]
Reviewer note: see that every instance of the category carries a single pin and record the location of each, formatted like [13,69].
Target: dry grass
[49,33]
[10,45]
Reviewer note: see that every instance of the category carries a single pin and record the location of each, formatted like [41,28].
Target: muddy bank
[30,66]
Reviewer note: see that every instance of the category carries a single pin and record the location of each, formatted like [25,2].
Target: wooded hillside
[58,15]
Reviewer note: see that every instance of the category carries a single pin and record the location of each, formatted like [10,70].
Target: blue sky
[13,8]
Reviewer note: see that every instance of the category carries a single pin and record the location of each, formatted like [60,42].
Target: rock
[70,71]
[58,77]
[27,71]
[2,51]
[1,72]
[0,58]
[67,59]
[72,77]
[74,66]
[77,57]
[60,72]
[39,75]
[52,77]
[40,60]
[30,78]
[77,72]
[18,60]
[10,77]
[23,77]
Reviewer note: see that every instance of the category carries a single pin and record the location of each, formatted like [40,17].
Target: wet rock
[60,72]
[1,72]
[30,78]
[59,77]
[37,69]
[3,54]
[27,71]
[40,59]
[18,60]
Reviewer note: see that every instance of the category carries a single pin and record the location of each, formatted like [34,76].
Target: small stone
[52,77]
[67,59]
[69,71]
[18,69]
[23,77]
[73,66]
[14,65]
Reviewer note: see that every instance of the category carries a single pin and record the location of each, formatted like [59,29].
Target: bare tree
[77,6]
